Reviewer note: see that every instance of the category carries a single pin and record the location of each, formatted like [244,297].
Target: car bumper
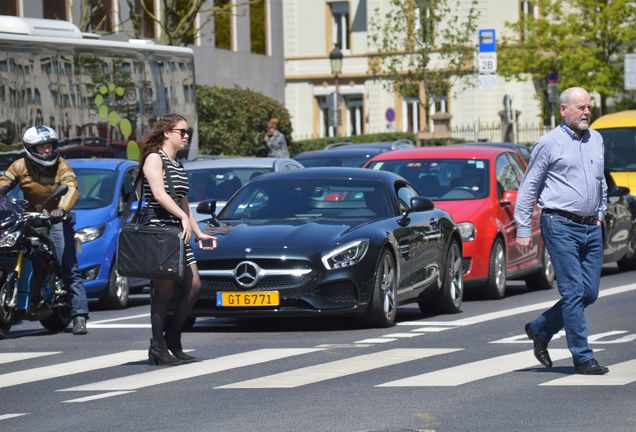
[314,292]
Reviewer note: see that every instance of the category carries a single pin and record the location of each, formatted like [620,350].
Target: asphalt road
[472,371]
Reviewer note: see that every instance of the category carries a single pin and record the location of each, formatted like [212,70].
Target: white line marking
[144,315]
[474,371]
[191,370]
[375,340]
[345,345]
[99,396]
[116,326]
[619,374]
[514,311]
[402,335]
[431,329]
[326,371]
[70,368]
[13,357]
[9,416]
[523,338]
[429,323]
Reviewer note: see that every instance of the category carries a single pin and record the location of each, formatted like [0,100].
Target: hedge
[233,121]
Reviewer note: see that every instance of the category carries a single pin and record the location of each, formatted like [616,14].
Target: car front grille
[265,284]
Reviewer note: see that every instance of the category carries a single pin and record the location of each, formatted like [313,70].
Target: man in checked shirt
[565,177]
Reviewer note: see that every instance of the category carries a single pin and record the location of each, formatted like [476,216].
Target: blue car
[104,186]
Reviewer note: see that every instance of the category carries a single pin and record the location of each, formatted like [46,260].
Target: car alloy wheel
[451,294]
[118,291]
[496,285]
[383,307]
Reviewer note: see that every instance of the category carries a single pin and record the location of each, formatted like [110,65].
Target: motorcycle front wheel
[59,319]
[7,313]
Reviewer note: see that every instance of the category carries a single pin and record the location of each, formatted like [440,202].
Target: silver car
[218,179]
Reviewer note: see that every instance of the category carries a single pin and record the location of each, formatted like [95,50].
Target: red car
[478,187]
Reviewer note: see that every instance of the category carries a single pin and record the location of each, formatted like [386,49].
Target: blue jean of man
[576,251]
[63,240]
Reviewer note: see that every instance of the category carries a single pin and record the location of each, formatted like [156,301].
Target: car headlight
[467,231]
[346,255]
[9,240]
[89,233]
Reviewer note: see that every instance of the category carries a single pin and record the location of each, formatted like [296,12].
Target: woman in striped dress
[159,149]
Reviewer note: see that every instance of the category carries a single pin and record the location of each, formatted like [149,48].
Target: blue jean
[576,251]
[63,240]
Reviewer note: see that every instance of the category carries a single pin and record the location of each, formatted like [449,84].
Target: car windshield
[310,199]
[334,161]
[620,148]
[442,179]
[220,183]
[96,188]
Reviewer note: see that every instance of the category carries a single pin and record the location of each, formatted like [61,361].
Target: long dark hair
[152,142]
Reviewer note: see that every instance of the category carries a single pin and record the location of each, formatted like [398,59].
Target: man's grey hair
[567,94]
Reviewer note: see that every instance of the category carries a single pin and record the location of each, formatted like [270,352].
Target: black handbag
[154,252]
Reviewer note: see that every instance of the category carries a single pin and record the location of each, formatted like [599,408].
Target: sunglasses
[183,132]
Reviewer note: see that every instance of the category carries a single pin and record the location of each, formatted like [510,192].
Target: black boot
[158,354]
[173,340]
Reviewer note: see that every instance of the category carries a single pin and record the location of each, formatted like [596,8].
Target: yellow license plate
[250,299]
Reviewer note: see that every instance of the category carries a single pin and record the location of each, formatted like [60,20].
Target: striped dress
[154,214]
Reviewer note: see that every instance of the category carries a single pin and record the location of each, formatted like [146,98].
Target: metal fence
[496,132]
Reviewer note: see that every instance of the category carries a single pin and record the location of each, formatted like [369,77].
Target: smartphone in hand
[207,244]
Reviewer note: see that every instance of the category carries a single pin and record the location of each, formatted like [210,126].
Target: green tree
[233,121]
[584,40]
[424,43]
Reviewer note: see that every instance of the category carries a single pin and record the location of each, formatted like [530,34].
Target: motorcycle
[27,291]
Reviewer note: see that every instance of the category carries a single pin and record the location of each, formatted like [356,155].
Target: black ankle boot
[173,340]
[158,354]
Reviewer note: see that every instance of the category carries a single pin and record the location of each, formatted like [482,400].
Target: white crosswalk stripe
[10,416]
[192,370]
[340,368]
[70,368]
[619,374]
[14,357]
[474,371]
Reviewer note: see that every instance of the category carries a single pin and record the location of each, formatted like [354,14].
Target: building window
[100,16]
[340,25]
[423,21]
[325,129]
[354,115]
[258,27]
[9,7]
[54,9]
[410,114]
[145,24]
[529,10]
[223,24]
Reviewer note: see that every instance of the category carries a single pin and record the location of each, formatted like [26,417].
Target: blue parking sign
[487,41]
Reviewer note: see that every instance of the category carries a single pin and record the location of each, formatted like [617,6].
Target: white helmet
[38,135]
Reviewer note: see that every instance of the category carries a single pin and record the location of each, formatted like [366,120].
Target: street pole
[336,107]
[335,58]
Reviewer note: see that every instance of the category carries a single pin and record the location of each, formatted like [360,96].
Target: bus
[101,96]
[619,137]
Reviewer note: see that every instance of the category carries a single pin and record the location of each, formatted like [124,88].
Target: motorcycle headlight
[9,239]
[89,233]
[346,255]
[467,231]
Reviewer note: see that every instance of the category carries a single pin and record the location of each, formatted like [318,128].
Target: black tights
[162,291]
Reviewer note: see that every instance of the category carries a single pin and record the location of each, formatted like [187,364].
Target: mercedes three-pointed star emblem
[247,274]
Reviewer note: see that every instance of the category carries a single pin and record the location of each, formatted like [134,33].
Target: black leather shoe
[591,368]
[79,325]
[540,349]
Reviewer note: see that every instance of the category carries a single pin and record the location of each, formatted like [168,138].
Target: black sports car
[329,241]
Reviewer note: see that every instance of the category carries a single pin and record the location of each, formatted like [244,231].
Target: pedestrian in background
[159,150]
[566,176]
[275,140]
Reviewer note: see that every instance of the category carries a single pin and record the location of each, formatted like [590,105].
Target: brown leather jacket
[38,183]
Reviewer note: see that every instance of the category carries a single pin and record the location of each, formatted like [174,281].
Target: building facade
[313,27]
[243,47]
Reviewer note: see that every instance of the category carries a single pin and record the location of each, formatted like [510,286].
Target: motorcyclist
[38,174]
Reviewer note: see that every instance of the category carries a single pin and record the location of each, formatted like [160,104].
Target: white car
[218,179]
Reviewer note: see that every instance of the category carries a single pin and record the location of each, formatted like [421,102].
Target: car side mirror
[509,197]
[420,203]
[207,207]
